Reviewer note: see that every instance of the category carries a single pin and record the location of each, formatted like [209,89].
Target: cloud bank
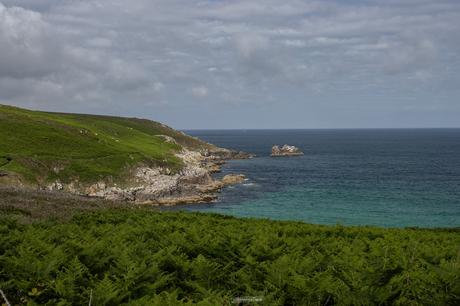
[236,64]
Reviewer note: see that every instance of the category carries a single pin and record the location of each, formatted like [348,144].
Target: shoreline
[194,183]
[33,205]
[114,158]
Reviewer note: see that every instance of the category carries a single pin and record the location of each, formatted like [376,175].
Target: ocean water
[383,177]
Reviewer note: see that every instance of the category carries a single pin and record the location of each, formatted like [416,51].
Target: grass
[28,206]
[43,147]
[127,256]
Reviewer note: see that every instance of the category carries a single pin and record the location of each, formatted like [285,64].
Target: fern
[106,292]
[173,258]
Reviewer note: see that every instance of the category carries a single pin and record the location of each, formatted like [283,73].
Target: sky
[241,64]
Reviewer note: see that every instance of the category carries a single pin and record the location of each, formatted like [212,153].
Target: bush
[169,258]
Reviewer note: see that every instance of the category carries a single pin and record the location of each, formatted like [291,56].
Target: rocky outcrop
[285,150]
[167,139]
[233,179]
[220,154]
[194,183]
[159,186]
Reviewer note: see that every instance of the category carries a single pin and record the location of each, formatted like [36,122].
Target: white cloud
[295,43]
[100,42]
[407,56]
[249,43]
[158,86]
[28,48]
[77,55]
[200,91]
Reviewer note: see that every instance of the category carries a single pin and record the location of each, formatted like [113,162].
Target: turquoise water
[393,178]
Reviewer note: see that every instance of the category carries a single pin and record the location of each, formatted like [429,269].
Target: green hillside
[42,147]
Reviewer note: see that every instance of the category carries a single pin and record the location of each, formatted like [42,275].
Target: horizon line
[299,129]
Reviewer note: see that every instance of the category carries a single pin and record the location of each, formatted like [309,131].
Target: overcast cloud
[237,64]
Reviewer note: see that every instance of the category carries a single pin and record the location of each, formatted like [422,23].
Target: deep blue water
[384,177]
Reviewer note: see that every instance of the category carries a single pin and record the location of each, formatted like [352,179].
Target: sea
[377,177]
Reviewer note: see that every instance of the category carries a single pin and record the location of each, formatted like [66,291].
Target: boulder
[233,179]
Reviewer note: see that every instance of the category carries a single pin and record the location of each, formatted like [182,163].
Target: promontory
[109,157]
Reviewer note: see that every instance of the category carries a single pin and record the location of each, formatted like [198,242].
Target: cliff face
[193,184]
[109,157]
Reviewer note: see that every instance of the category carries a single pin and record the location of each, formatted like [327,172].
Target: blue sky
[237,64]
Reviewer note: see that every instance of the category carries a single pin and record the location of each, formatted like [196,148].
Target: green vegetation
[60,249]
[43,147]
[28,206]
[145,257]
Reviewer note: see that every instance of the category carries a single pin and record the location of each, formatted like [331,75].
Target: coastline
[158,186]
[113,158]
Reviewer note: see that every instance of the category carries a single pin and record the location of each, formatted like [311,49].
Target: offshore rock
[285,150]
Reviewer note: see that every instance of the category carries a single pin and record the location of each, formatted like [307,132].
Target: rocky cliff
[159,186]
[115,158]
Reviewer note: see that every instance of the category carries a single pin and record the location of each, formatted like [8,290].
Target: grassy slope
[169,258]
[83,147]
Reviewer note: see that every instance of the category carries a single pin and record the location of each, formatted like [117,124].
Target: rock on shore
[285,150]
[158,186]
[233,179]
